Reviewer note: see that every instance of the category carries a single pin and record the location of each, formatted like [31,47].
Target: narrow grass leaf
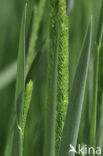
[96,74]
[100,126]
[100,28]
[72,122]
[20,77]
[38,13]
[94,106]
[83,115]
[20,87]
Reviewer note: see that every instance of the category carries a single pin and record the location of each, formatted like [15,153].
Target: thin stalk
[100,126]
[94,107]
[82,122]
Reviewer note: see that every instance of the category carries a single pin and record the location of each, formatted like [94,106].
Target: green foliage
[66,105]
[19,94]
[96,75]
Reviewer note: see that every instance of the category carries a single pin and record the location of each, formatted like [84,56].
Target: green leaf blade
[38,13]
[96,80]
[20,76]
[94,106]
[17,148]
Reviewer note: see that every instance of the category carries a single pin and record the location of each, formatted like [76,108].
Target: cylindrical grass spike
[28,94]
[62,85]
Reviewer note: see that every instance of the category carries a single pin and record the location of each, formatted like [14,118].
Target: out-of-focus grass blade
[99,42]
[81,9]
[83,115]
[100,127]
[73,116]
[8,75]
[70,4]
[96,73]
[38,12]
[94,106]
[20,87]
[100,28]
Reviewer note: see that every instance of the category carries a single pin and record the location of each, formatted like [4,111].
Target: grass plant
[51,77]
